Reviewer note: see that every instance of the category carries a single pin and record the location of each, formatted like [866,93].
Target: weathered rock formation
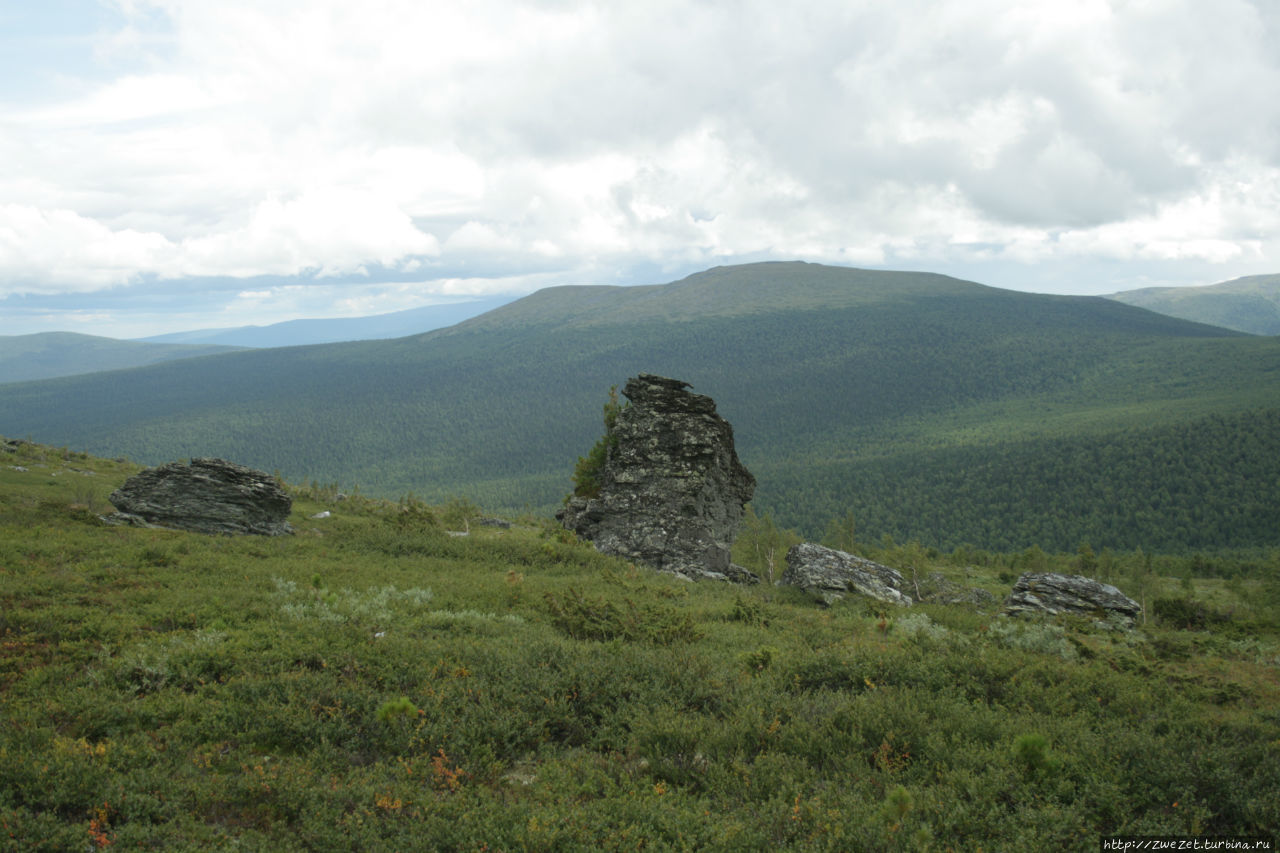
[828,574]
[206,496]
[672,490]
[1050,593]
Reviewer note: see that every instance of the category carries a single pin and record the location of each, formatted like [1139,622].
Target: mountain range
[1250,304]
[925,407]
[397,324]
[46,355]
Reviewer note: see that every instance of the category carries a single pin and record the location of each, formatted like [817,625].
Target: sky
[168,165]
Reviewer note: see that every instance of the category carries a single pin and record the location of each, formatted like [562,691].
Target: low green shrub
[1033,755]
[1186,614]
[383,686]
[584,618]
[1038,637]
[748,610]
[760,659]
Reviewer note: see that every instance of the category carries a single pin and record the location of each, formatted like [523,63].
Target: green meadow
[379,682]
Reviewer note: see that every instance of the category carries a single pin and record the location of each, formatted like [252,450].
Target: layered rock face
[828,574]
[1050,593]
[672,490]
[206,496]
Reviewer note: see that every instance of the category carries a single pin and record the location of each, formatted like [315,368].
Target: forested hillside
[932,408]
[51,354]
[1250,304]
[1197,484]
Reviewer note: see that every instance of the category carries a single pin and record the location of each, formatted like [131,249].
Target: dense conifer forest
[930,408]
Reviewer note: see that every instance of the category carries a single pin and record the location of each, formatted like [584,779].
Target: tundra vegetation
[374,682]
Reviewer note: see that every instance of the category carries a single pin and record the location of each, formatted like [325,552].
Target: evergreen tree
[590,468]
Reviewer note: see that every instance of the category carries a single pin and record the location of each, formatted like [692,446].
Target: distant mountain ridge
[732,291]
[1250,304]
[928,407]
[396,324]
[48,355]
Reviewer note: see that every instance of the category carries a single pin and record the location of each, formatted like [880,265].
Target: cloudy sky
[178,164]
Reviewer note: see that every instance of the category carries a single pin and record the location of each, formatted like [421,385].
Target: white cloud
[45,251]
[328,232]
[324,233]
[250,138]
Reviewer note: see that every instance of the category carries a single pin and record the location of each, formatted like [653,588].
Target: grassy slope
[51,354]
[1250,304]
[833,379]
[375,683]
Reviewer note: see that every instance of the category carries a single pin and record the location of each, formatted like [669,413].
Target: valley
[933,409]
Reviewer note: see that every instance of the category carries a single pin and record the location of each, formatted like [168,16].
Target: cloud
[327,232]
[59,250]
[325,140]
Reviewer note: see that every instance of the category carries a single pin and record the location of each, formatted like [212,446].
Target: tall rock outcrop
[206,496]
[672,489]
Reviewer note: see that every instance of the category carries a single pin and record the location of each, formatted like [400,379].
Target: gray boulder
[828,574]
[206,496]
[672,489]
[1049,593]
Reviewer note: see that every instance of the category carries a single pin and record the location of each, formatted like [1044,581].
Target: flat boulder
[1049,593]
[205,496]
[829,574]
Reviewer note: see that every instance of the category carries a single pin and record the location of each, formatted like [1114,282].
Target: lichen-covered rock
[1049,593]
[672,489]
[206,496]
[828,574]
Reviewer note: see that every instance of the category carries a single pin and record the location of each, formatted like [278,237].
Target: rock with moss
[828,575]
[205,496]
[1049,593]
[671,491]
